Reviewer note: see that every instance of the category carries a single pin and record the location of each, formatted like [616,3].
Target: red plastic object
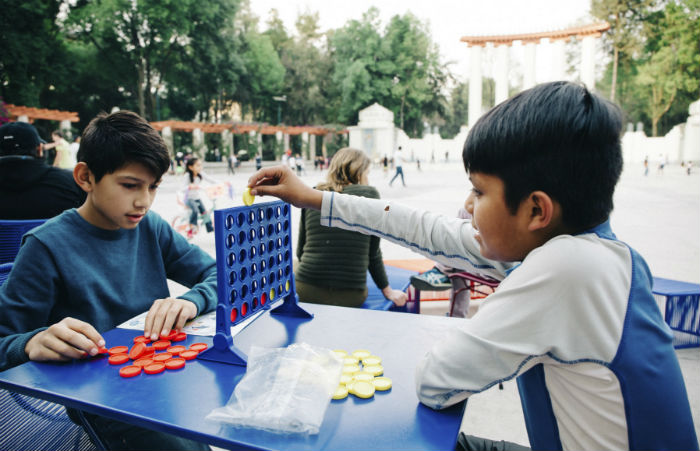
[137,351]
[118,350]
[118,359]
[176,350]
[143,361]
[130,371]
[181,336]
[154,368]
[149,351]
[175,364]
[189,354]
[142,339]
[199,347]
[161,345]
[169,336]
[162,357]
[103,350]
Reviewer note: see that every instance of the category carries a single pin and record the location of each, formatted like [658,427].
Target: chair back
[11,232]
[30,423]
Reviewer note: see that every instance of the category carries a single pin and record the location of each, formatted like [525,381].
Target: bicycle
[181,221]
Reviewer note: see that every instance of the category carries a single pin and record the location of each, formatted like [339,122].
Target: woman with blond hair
[333,263]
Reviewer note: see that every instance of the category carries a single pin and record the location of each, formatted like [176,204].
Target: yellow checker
[350,361]
[372,360]
[374,370]
[382,383]
[361,353]
[351,369]
[345,379]
[363,389]
[248,198]
[362,376]
[341,392]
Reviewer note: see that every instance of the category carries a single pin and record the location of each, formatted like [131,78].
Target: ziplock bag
[284,390]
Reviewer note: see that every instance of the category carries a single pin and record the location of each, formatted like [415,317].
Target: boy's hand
[168,314]
[280,181]
[398,297]
[68,339]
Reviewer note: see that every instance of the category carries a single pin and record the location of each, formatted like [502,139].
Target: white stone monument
[375,133]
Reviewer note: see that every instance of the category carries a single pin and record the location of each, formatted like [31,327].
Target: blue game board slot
[254,269]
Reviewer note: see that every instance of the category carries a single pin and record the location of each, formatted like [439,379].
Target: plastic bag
[284,390]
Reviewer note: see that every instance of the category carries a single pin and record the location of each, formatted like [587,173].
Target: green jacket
[333,257]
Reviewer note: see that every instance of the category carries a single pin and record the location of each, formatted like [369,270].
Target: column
[167,134]
[474,84]
[558,68]
[286,142]
[65,128]
[305,145]
[529,64]
[588,61]
[312,146]
[198,142]
[226,142]
[279,138]
[501,73]
[23,118]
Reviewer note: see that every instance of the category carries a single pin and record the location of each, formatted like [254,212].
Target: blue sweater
[68,267]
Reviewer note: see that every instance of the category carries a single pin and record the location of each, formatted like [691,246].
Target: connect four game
[254,269]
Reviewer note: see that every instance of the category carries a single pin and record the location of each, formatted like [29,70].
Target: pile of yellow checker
[362,375]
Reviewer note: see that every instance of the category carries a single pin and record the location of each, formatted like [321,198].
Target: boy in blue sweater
[96,266]
[574,319]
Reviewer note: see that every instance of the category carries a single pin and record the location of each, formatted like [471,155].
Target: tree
[672,62]
[625,18]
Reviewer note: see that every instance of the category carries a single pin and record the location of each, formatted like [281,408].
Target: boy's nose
[469,203]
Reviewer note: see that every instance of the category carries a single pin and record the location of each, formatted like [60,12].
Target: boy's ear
[83,177]
[542,210]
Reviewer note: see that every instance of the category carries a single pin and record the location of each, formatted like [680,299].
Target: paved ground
[658,215]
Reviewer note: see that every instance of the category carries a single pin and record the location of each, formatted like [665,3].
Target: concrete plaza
[657,214]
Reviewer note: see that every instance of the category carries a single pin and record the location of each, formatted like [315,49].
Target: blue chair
[5,269]
[11,232]
[679,303]
[31,423]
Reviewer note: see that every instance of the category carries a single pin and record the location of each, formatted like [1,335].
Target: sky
[448,20]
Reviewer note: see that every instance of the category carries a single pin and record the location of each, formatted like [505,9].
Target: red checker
[118,350]
[150,350]
[103,350]
[175,364]
[161,345]
[189,354]
[169,335]
[154,368]
[143,361]
[130,371]
[181,336]
[142,339]
[176,350]
[199,347]
[137,351]
[162,357]
[118,359]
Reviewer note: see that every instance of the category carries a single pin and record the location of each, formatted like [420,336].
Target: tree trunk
[613,84]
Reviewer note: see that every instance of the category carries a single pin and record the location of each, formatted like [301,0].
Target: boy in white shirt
[574,318]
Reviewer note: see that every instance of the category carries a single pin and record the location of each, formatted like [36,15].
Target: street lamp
[279,100]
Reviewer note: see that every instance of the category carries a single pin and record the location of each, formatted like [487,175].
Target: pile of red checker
[146,359]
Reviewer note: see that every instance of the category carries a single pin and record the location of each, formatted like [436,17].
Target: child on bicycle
[194,175]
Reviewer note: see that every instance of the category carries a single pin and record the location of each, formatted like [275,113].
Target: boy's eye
[476,192]
[129,185]
[153,187]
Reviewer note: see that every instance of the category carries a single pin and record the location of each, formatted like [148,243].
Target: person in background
[333,263]
[194,176]
[30,188]
[61,158]
[399,159]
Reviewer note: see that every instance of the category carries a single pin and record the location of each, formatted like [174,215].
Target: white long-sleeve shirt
[575,322]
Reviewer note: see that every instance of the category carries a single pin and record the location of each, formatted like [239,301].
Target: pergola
[243,127]
[29,114]
[238,128]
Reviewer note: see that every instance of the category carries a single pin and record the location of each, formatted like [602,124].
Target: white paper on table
[204,325]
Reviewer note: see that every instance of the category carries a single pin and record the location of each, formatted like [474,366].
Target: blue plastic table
[178,401]
[681,310]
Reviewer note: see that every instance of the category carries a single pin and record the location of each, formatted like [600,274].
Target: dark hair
[190,162]
[111,141]
[558,138]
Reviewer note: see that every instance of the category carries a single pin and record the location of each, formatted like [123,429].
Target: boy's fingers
[86,330]
[156,314]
